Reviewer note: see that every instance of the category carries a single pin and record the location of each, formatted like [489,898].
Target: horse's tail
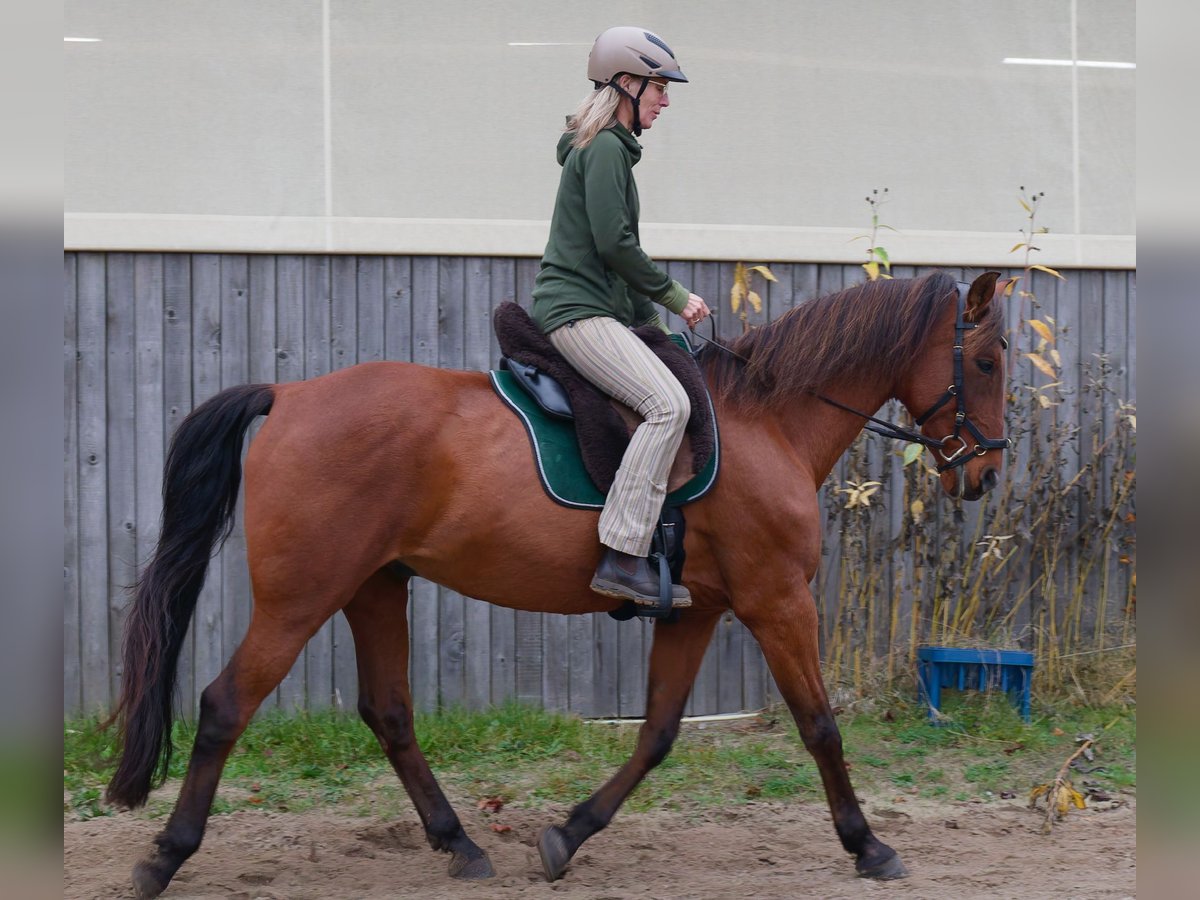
[200,489]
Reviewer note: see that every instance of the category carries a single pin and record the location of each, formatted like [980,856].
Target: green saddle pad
[559,463]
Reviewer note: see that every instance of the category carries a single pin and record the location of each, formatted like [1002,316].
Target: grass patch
[533,758]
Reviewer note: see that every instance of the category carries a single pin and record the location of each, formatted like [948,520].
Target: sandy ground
[761,850]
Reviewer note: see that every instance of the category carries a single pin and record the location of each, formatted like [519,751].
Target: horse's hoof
[555,852]
[887,870]
[479,867]
[147,882]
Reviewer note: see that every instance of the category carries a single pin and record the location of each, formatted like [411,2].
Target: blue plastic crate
[1010,671]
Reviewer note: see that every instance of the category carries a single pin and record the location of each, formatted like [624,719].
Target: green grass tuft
[532,758]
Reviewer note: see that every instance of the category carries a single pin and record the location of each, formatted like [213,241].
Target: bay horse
[362,478]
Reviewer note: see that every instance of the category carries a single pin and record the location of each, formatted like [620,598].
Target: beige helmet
[627,48]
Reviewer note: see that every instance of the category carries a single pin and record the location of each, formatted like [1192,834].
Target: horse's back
[381,385]
[417,464]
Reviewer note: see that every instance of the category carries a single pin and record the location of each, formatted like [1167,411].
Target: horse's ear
[983,289]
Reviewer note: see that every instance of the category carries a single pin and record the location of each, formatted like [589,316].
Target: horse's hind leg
[675,657]
[788,637]
[259,664]
[380,627]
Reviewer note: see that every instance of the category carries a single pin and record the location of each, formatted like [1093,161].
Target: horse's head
[956,389]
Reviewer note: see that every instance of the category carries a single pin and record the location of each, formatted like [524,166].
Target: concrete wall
[392,126]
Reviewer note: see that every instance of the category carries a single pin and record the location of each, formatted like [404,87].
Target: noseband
[953,448]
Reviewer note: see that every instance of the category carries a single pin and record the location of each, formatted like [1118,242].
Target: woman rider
[596,282]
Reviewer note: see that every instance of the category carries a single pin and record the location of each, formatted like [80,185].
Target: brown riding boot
[631,578]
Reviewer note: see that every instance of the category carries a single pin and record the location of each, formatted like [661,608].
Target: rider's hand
[696,311]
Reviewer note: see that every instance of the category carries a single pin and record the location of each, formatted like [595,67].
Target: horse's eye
[986,366]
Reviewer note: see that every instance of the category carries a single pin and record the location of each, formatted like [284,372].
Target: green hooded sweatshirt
[594,264]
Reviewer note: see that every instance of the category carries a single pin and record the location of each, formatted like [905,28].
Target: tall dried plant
[1033,566]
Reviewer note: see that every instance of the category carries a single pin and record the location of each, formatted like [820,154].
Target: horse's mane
[878,326]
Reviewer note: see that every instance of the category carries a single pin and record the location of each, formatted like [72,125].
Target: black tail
[200,489]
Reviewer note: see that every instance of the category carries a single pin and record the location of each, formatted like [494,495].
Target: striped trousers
[613,358]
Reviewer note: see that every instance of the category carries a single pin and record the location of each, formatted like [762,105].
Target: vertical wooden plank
[1093,429]
[1131,336]
[780,295]
[206,381]
[581,651]
[805,282]
[122,451]
[477,314]
[632,649]
[177,403]
[370,292]
[343,311]
[93,482]
[344,346]
[526,273]
[426,601]
[502,621]
[477,624]
[556,665]
[318,340]
[1120,291]
[397,311]
[529,657]
[72,670]
[262,301]
[704,700]
[235,370]
[289,314]
[502,281]
[606,666]
[148,298]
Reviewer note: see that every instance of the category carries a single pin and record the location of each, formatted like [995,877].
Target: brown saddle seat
[604,426]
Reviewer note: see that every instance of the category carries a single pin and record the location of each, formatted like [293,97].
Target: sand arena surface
[759,850]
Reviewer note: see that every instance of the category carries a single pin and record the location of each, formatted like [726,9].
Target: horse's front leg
[787,632]
[675,657]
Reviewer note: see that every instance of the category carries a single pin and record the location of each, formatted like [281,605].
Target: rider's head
[633,61]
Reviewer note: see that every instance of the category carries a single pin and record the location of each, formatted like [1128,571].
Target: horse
[364,477]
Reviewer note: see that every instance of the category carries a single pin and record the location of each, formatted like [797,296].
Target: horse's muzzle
[989,479]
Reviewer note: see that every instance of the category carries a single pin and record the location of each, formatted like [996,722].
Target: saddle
[603,427]
[579,434]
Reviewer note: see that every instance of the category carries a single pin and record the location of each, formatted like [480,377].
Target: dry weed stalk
[1060,793]
[1045,563]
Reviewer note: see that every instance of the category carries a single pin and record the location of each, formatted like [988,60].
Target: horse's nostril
[990,478]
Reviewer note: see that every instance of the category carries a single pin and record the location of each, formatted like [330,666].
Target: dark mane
[879,325]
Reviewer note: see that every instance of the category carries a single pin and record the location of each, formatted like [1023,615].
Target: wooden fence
[150,336]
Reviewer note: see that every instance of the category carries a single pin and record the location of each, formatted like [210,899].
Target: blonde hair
[597,112]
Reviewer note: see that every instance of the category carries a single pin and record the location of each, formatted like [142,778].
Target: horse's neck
[820,432]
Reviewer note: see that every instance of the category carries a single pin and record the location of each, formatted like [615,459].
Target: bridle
[952,456]
[954,448]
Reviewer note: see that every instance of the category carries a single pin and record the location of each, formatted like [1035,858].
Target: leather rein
[952,456]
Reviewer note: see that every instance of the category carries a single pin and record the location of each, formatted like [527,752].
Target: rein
[958,456]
